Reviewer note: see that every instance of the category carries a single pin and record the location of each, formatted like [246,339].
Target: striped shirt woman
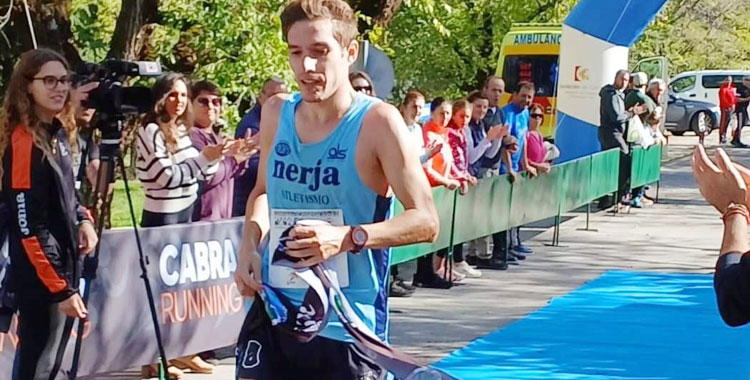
[170,180]
[167,163]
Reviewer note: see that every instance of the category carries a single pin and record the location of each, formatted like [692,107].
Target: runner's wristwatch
[359,238]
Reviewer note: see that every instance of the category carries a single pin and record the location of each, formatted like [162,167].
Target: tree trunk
[381,11]
[134,15]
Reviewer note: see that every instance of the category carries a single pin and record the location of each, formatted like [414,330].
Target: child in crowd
[462,111]
[438,171]
[439,167]
[457,141]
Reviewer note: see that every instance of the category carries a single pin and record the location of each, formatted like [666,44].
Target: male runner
[330,154]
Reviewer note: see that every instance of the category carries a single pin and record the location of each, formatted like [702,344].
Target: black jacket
[613,115]
[732,287]
[40,193]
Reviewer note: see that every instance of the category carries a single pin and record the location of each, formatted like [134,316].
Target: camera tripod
[111,157]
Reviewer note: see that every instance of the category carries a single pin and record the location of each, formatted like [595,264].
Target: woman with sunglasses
[361,82]
[51,231]
[216,193]
[535,140]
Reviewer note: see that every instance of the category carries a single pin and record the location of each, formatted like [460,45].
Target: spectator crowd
[631,114]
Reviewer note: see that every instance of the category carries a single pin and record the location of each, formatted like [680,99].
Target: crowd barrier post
[449,256]
[588,204]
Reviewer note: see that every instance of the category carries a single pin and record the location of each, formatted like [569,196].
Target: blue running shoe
[522,250]
[637,203]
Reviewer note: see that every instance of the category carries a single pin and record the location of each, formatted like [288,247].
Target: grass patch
[120,213]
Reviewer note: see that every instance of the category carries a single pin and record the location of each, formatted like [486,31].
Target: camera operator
[81,138]
[51,229]
[725,184]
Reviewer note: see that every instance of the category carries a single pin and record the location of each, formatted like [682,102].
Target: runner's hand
[248,274]
[719,180]
[316,244]
[73,307]
[745,174]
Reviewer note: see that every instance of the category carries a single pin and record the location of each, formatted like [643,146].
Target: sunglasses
[51,82]
[206,101]
[537,116]
[363,88]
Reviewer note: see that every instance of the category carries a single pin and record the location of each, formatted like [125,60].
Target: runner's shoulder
[271,111]
[384,117]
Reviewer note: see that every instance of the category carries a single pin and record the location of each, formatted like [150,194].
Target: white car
[703,85]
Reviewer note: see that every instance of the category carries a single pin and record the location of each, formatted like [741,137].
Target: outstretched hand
[719,179]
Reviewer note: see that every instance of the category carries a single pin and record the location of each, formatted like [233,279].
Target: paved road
[681,234]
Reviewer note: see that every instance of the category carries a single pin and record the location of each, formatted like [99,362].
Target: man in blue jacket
[250,126]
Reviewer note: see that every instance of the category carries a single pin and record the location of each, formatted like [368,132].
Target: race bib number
[280,276]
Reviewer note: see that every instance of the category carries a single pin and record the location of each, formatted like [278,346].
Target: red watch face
[359,236]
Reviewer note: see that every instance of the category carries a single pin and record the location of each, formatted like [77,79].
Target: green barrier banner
[574,183]
[605,167]
[534,199]
[484,210]
[496,204]
[444,202]
[646,166]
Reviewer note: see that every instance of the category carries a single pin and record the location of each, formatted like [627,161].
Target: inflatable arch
[596,39]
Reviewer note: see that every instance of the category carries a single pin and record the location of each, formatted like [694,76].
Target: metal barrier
[496,204]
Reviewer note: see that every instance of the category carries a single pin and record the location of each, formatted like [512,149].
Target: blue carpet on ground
[622,325]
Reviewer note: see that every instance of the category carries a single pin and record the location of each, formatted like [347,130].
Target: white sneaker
[466,270]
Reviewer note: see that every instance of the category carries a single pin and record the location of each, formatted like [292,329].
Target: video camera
[111,100]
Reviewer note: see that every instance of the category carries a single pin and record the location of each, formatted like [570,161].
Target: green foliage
[699,34]
[92,23]
[444,47]
[449,47]
[235,43]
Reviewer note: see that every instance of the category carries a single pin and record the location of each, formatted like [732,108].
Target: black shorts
[265,352]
